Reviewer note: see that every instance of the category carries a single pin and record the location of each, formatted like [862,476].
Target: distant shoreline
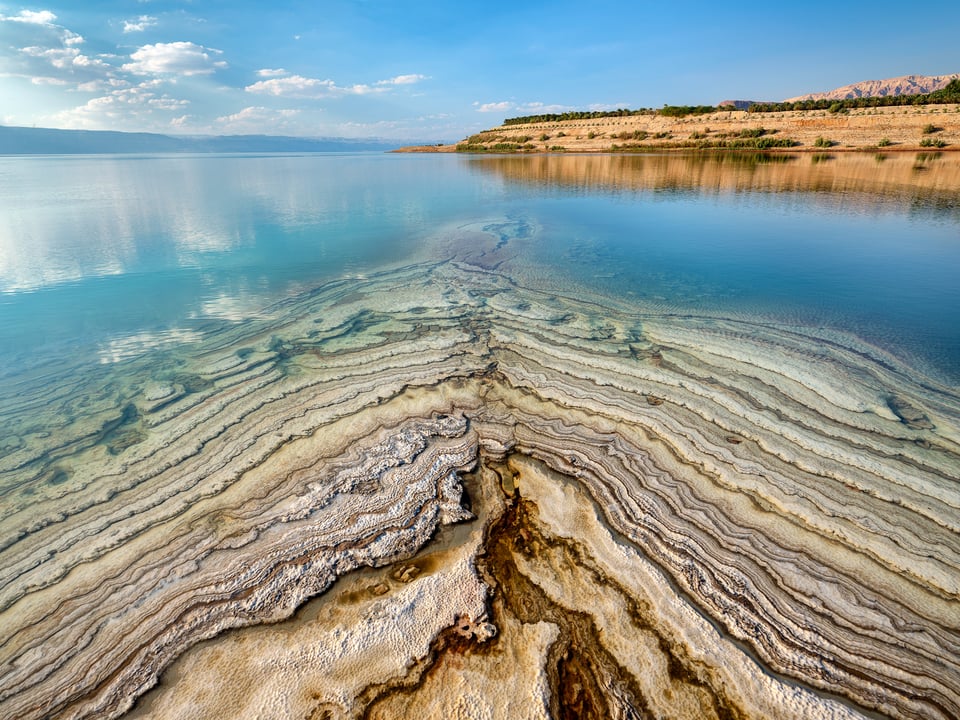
[928,128]
[23,141]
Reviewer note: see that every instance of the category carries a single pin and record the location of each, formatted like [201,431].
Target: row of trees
[667,110]
[575,115]
[948,94]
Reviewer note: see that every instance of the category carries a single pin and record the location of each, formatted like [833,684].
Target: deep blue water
[103,248]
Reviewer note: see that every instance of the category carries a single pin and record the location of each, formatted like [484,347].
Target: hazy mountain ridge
[48,141]
[736,104]
[905,85]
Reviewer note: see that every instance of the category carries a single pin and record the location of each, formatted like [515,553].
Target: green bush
[769,142]
[684,110]
[822,142]
[933,142]
[633,135]
[544,137]
[757,143]
[884,142]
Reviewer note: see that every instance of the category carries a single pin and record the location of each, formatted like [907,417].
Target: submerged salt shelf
[570,488]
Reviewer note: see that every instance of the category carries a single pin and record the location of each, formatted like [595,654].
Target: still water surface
[103,258]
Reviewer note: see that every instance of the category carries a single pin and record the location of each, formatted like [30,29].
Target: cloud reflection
[130,346]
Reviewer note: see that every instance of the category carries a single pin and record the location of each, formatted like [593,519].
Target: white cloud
[268,72]
[102,85]
[257,120]
[359,89]
[140,24]
[135,106]
[30,17]
[529,107]
[176,58]
[54,55]
[403,80]
[65,58]
[494,106]
[37,80]
[91,86]
[603,107]
[293,86]
[297,86]
[539,107]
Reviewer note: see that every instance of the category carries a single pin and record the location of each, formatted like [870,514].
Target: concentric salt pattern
[680,515]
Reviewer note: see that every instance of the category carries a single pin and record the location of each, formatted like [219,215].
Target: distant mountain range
[46,141]
[906,85]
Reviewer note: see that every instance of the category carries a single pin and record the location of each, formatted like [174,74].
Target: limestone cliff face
[906,85]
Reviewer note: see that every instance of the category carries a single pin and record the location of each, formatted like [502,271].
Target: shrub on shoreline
[757,143]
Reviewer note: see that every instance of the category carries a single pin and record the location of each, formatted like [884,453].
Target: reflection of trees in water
[927,182]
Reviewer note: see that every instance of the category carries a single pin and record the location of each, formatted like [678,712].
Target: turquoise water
[105,258]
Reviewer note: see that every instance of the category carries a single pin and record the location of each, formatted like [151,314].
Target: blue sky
[435,70]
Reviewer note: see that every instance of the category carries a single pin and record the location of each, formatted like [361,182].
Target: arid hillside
[927,127]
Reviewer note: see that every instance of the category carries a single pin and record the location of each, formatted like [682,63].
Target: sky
[435,71]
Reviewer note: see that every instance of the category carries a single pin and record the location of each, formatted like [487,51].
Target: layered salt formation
[678,516]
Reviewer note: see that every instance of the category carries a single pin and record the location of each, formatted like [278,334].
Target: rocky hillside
[906,85]
[736,104]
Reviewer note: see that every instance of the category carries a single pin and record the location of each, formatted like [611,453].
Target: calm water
[106,258]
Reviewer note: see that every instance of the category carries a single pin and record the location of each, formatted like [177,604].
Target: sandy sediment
[706,517]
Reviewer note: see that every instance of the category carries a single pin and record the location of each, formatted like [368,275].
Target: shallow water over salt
[108,257]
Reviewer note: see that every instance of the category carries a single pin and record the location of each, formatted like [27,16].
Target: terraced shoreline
[887,129]
[665,514]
